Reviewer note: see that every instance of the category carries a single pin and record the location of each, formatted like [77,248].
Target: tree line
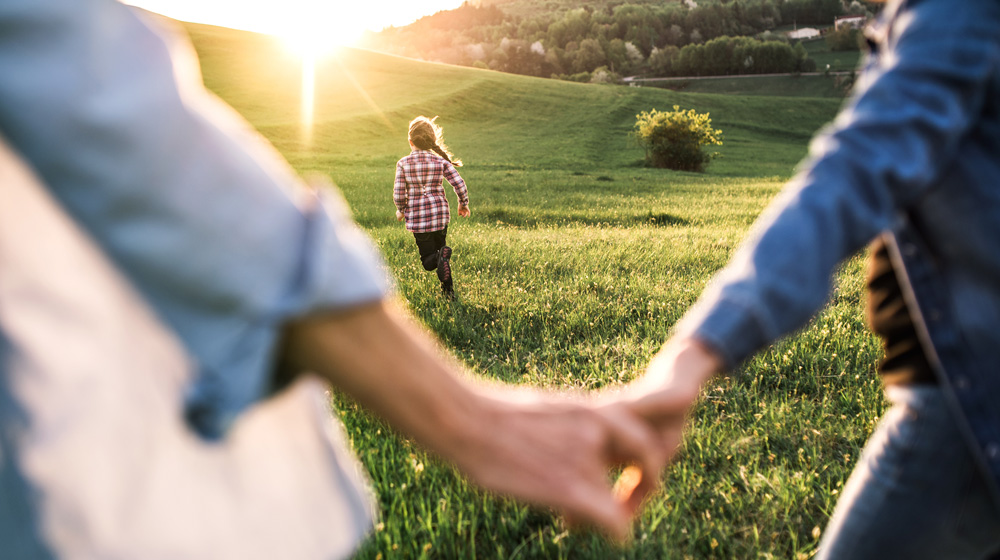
[588,44]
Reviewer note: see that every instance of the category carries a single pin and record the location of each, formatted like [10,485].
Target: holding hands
[565,449]
[544,448]
[557,451]
[670,387]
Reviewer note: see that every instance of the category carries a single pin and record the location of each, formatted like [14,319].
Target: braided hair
[426,135]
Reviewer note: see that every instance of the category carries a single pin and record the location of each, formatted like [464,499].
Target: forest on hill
[601,40]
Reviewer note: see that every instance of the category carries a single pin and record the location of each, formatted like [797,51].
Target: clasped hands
[644,425]
[560,453]
[547,449]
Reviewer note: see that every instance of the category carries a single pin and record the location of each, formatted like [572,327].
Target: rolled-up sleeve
[912,110]
[198,211]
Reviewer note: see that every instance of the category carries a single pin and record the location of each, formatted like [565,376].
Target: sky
[314,23]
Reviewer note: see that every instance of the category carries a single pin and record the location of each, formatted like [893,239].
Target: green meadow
[573,267]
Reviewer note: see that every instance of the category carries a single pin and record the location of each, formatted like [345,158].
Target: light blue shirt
[201,215]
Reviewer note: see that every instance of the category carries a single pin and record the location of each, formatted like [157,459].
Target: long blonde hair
[425,134]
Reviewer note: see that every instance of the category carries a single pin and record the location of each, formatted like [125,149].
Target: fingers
[632,488]
[596,507]
[663,408]
[633,441]
[626,438]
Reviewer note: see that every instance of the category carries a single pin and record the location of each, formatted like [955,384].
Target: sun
[320,35]
[313,35]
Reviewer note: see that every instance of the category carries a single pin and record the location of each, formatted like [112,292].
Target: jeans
[917,491]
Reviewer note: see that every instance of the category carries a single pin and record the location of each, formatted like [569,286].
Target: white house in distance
[857,22]
[804,33]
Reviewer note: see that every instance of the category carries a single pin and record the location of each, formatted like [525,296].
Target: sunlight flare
[308,98]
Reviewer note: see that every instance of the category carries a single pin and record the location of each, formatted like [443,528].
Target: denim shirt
[915,156]
[198,211]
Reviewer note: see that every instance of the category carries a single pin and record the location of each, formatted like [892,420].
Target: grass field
[573,267]
[838,60]
[770,86]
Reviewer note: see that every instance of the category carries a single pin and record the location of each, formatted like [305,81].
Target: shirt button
[962,383]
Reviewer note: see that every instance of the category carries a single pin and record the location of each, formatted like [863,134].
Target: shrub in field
[675,139]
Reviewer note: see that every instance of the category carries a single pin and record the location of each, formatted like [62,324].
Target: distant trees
[676,139]
[844,39]
[642,38]
[811,12]
[735,55]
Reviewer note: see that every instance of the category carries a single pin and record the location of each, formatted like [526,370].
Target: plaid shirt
[418,192]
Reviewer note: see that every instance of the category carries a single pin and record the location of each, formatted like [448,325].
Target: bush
[675,139]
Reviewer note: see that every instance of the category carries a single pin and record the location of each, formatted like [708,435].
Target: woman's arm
[907,121]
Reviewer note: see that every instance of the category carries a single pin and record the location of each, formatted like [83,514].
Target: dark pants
[429,244]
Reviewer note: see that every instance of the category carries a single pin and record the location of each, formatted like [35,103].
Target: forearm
[549,451]
[400,202]
[674,379]
[399,190]
[458,185]
[907,123]
[391,367]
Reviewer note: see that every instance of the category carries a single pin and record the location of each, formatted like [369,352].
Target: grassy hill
[574,265]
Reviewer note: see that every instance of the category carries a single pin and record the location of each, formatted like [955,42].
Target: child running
[420,200]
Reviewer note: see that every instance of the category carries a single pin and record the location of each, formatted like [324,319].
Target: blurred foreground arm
[672,383]
[544,449]
[910,132]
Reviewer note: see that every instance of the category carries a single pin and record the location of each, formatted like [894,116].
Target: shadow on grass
[533,219]
[529,218]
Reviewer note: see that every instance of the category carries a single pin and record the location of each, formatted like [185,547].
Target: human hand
[670,387]
[399,215]
[464,212]
[558,453]
[546,449]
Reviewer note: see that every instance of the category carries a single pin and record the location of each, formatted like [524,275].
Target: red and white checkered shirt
[419,194]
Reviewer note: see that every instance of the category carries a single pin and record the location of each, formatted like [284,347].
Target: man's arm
[544,449]
[206,219]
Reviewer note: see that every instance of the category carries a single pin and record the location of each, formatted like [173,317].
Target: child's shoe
[444,266]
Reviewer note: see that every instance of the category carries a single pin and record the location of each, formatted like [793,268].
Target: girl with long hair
[418,194]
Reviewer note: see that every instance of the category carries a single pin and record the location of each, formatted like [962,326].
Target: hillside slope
[365,99]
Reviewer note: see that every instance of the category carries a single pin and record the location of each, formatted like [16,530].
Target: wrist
[697,360]
[463,430]
[679,369]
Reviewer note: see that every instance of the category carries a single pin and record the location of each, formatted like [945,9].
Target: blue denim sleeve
[198,211]
[916,100]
